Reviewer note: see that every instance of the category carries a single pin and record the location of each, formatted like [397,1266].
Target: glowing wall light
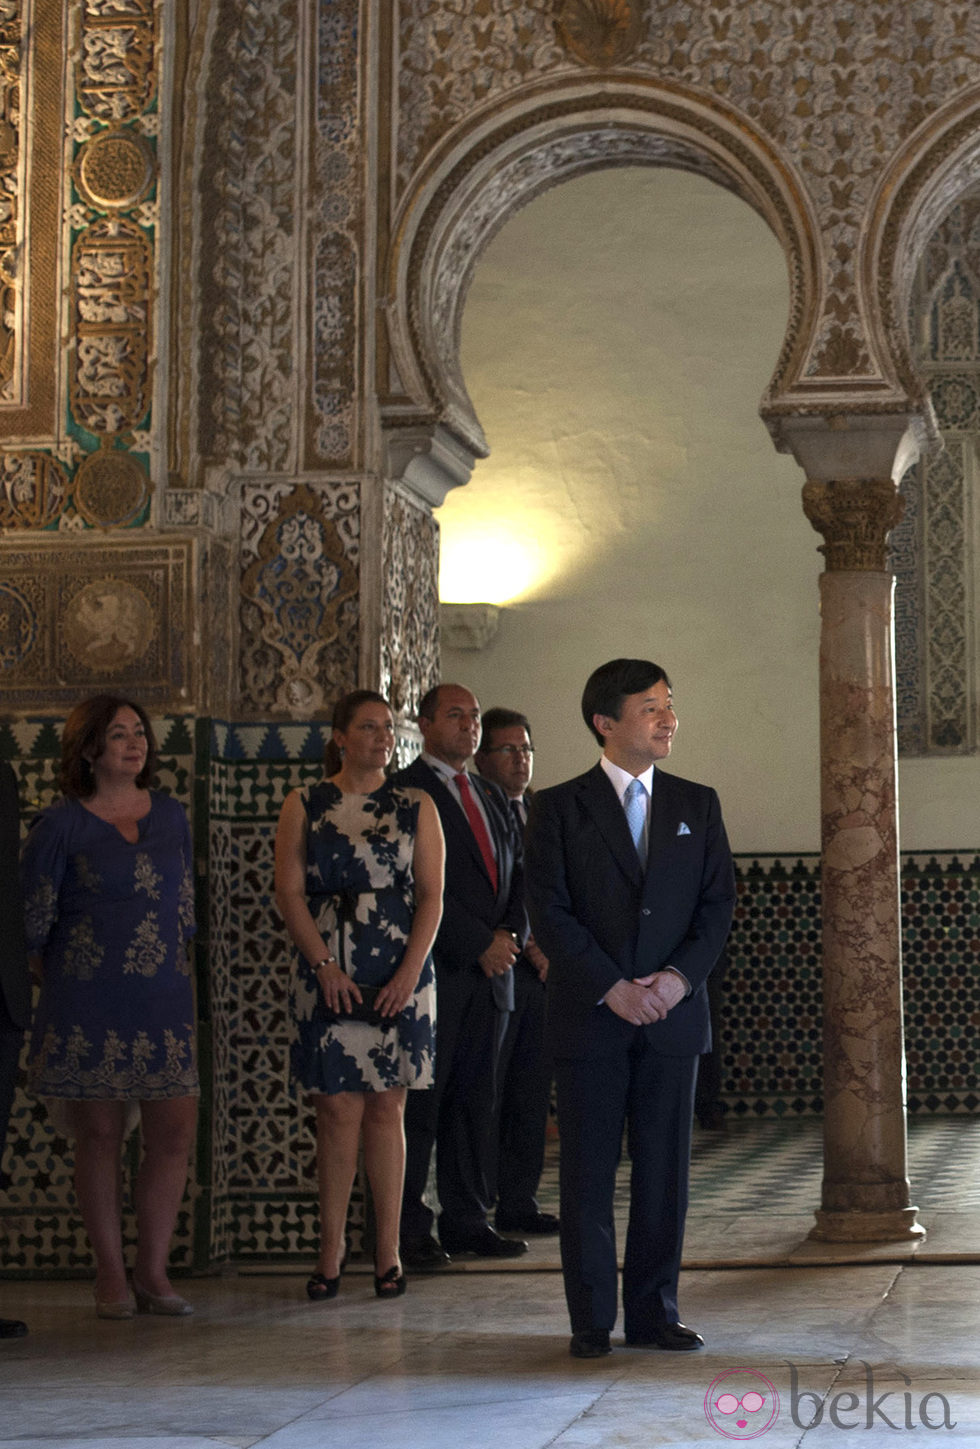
[484,563]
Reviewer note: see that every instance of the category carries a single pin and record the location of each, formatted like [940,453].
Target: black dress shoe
[484,1243]
[12,1328]
[671,1336]
[537,1223]
[425,1256]
[590,1343]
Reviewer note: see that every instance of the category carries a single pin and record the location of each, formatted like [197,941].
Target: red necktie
[477,826]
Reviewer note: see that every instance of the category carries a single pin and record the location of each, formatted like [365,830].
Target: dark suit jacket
[471,910]
[598,918]
[14,979]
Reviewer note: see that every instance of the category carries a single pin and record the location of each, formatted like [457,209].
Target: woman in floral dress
[359,870]
[108,890]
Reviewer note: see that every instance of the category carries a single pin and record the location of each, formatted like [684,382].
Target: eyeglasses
[511,750]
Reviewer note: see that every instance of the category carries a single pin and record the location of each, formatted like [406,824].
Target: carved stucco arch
[923,181]
[492,167]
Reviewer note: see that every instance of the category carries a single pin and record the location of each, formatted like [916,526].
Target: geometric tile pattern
[770,1020]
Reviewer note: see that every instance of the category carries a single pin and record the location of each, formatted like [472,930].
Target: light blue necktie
[635,805]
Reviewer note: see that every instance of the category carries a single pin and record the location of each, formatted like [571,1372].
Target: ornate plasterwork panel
[337,221]
[410,603]
[480,205]
[300,550]
[937,553]
[13,57]
[94,470]
[252,198]
[74,618]
[835,89]
[31,132]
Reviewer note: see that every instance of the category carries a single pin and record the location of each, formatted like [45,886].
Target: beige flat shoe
[166,1305]
[117,1309]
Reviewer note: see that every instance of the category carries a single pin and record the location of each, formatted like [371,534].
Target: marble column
[866,1194]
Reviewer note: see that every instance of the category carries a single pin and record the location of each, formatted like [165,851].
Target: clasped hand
[340,991]
[645,999]
[500,955]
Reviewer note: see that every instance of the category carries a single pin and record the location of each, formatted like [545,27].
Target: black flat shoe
[319,1288]
[390,1284]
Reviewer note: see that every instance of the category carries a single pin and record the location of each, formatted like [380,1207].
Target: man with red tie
[482,933]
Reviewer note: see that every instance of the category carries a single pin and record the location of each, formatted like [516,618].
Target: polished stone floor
[877,1340]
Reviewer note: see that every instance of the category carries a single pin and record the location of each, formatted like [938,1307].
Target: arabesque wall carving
[835,88]
[299,598]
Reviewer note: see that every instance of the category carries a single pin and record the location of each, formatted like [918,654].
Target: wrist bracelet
[325,961]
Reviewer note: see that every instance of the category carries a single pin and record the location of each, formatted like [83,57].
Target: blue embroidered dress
[111,921]
[359,870]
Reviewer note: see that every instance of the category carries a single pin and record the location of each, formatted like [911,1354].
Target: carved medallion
[600,32]
[108,626]
[115,169]
[18,627]
[111,489]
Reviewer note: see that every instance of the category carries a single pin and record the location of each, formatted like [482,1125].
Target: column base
[896,1225]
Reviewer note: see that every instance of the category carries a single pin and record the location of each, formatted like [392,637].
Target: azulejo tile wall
[771,1014]
[252,1193]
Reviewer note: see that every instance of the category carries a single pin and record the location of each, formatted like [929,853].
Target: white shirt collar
[441,768]
[621,778]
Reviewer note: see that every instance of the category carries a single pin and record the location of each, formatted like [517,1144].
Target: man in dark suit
[631,890]
[15,988]
[506,758]
[482,932]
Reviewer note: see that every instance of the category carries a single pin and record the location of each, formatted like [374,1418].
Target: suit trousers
[456,1114]
[525,1092]
[651,1097]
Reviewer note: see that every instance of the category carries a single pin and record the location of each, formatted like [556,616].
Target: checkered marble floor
[778,1167]
[756,1186]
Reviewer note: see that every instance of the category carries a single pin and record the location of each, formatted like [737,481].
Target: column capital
[855,516]
[427,459]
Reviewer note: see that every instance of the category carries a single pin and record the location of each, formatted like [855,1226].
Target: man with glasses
[506,758]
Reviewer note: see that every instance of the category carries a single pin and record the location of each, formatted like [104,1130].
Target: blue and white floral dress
[361,892]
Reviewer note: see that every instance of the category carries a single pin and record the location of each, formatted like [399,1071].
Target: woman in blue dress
[108,894]
[359,872]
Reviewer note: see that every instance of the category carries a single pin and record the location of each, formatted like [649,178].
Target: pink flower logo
[741,1404]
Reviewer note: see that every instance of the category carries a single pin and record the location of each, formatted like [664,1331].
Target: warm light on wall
[485,564]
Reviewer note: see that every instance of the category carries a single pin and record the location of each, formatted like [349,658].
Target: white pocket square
[683,829]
